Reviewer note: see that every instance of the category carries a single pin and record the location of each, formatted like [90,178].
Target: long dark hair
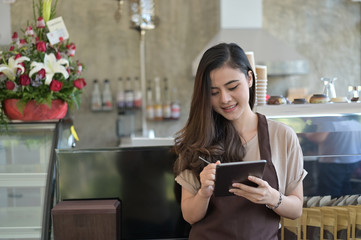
[206,132]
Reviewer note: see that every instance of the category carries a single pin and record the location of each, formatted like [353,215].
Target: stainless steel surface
[142,19]
[144,141]
[143,82]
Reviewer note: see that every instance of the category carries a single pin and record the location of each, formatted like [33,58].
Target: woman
[223,128]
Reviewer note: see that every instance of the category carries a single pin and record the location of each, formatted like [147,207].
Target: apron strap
[263,138]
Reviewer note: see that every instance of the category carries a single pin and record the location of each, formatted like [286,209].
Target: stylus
[204,160]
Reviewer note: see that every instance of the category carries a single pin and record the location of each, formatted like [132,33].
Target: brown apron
[234,217]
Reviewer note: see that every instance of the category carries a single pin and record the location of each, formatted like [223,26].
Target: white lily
[51,66]
[10,69]
[46,10]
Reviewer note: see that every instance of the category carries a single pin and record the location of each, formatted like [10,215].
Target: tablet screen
[228,173]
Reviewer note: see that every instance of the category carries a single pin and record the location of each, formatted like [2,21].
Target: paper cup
[261,81]
[263,88]
[261,71]
[250,56]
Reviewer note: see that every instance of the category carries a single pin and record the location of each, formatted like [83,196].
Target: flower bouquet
[40,67]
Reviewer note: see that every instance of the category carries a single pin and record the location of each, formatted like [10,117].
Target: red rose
[71,49]
[79,83]
[41,46]
[10,85]
[15,37]
[58,55]
[40,23]
[17,56]
[80,68]
[24,80]
[41,73]
[22,42]
[11,48]
[29,31]
[55,85]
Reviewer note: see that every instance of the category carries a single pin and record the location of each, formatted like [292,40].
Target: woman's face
[230,92]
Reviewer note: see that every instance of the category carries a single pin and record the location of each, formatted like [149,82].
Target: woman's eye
[232,88]
[214,93]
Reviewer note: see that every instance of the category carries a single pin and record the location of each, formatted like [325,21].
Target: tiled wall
[326,32]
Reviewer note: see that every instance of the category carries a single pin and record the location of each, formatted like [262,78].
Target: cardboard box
[87,219]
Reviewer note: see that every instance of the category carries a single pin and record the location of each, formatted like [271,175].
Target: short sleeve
[188,181]
[287,156]
[295,171]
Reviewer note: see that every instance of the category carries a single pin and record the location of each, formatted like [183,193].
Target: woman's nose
[225,97]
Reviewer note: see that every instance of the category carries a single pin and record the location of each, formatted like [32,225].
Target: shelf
[309,110]
[24,168]
[23,179]
[20,222]
[316,157]
[20,233]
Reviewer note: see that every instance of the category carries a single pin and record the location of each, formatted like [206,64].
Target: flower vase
[34,111]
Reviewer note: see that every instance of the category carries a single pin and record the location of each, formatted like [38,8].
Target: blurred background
[326,33]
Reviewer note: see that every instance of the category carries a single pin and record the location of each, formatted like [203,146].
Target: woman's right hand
[207,178]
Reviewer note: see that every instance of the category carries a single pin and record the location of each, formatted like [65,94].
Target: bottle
[158,115]
[354,93]
[129,94]
[107,97]
[175,106]
[120,97]
[329,87]
[166,101]
[96,101]
[150,107]
[137,94]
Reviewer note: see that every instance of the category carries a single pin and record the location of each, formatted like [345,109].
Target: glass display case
[330,138]
[27,178]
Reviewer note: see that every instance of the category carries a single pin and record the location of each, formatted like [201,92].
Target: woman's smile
[229,108]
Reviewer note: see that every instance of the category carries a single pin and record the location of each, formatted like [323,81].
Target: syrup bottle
[96,101]
[158,115]
[107,97]
[120,97]
[166,102]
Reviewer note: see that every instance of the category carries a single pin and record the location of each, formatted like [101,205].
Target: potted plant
[39,72]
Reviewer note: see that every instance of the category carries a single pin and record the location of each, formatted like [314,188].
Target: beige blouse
[286,153]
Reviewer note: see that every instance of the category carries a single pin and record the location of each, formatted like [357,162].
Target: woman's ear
[250,78]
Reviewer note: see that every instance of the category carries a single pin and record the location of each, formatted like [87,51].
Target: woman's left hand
[263,194]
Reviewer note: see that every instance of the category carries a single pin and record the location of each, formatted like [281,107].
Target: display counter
[140,172]
[27,177]
[330,138]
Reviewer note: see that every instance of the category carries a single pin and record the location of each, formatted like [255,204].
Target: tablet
[228,173]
